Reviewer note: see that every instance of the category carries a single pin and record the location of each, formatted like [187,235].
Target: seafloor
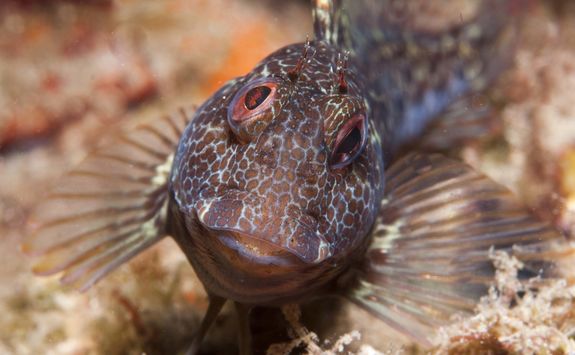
[70,71]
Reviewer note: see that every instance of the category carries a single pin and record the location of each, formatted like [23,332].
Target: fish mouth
[220,216]
[255,249]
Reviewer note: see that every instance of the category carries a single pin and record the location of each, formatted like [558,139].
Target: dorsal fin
[109,208]
[325,22]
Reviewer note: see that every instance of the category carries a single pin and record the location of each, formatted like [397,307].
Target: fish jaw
[259,238]
[247,269]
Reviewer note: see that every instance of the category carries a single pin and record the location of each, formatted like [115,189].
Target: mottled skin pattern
[264,214]
[411,76]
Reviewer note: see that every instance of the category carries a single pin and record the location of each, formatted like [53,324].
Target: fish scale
[304,178]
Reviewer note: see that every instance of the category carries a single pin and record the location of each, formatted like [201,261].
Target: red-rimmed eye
[250,110]
[349,142]
[256,96]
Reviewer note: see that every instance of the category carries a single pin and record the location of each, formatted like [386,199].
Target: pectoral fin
[429,258]
[109,208]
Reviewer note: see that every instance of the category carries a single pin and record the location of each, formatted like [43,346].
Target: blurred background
[70,71]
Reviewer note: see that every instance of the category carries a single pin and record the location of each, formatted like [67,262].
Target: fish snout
[240,222]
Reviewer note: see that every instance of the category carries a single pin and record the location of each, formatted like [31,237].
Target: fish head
[284,164]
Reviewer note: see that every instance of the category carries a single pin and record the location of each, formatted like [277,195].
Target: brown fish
[278,188]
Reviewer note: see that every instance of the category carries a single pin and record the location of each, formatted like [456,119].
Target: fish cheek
[355,201]
[205,153]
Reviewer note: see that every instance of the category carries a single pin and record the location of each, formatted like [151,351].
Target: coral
[529,317]
[532,317]
[309,340]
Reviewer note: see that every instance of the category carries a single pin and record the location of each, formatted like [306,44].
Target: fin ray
[109,208]
[430,256]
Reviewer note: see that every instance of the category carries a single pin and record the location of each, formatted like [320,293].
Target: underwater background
[71,71]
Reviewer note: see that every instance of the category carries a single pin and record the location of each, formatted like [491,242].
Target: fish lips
[219,216]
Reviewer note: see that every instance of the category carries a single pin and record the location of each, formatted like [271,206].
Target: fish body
[275,219]
[271,201]
[412,75]
[290,181]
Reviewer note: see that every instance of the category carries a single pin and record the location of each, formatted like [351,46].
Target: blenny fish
[306,177]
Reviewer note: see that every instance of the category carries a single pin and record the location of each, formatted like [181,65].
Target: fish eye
[349,142]
[250,109]
[256,96]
